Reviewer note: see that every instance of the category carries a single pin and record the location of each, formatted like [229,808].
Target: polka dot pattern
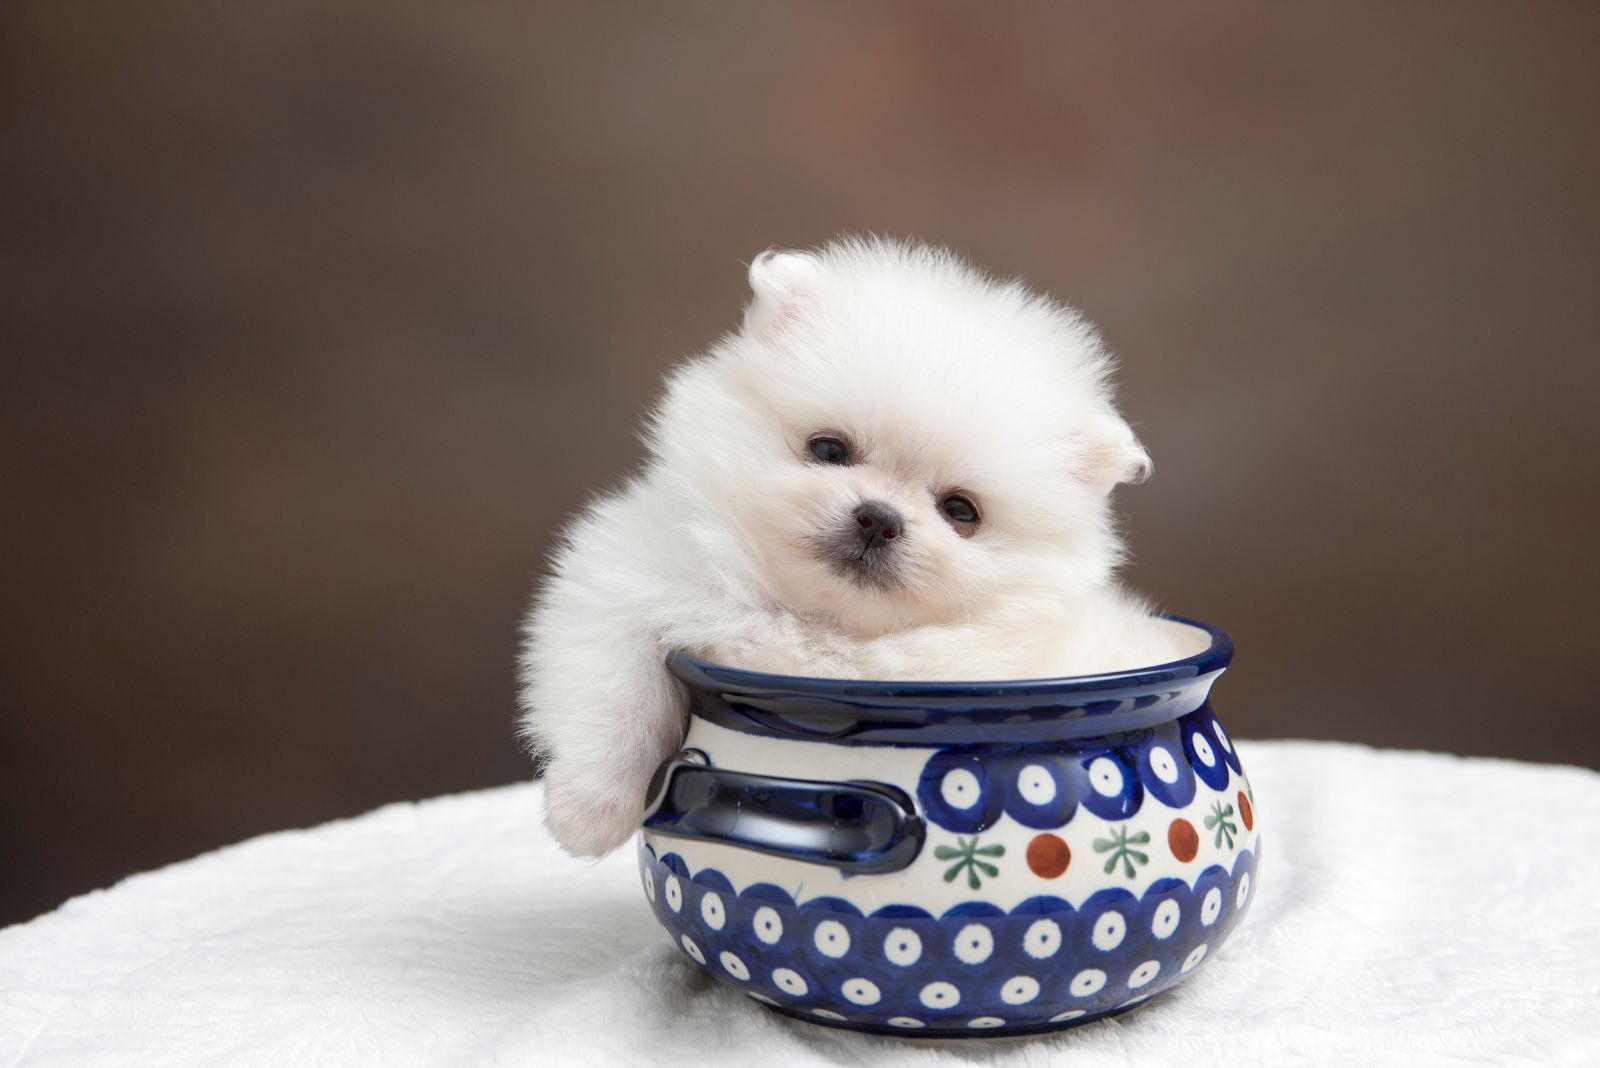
[861,992]
[1036,785]
[1042,786]
[955,792]
[1163,765]
[973,944]
[1109,930]
[1042,940]
[1114,790]
[1019,990]
[1224,745]
[1105,776]
[768,925]
[1048,856]
[1165,772]
[832,939]
[1040,792]
[902,946]
[1143,974]
[1168,913]
[1211,906]
[1183,840]
[790,982]
[1211,763]
[1089,981]
[960,788]
[978,967]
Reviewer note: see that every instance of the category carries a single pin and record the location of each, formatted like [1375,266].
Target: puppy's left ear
[1109,455]
[780,286]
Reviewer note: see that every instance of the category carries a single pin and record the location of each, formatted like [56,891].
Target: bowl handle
[863,828]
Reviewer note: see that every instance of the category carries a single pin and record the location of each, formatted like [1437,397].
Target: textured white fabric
[1413,909]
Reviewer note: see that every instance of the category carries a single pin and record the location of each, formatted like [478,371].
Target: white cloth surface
[1412,909]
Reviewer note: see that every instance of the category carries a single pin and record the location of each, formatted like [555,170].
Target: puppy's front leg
[603,723]
[598,702]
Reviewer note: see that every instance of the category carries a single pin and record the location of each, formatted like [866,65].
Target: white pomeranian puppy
[897,468]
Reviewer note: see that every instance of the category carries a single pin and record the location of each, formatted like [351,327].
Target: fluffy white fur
[940,380]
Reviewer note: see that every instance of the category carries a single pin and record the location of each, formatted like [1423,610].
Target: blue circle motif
[1039,791]
[1174,761]
[956,791]
[1206,756]
[1109,782]
[965,789]
[974,962]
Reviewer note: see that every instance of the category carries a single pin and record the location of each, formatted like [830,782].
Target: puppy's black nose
[877,522]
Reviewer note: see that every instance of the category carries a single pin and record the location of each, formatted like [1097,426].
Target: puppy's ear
[1109,454]
[780,286]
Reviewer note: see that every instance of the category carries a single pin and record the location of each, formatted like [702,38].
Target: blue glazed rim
[884,712]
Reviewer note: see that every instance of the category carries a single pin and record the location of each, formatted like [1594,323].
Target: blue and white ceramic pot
[953,859]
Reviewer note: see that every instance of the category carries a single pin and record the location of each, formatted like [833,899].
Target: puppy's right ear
[780,287]
[1109,455]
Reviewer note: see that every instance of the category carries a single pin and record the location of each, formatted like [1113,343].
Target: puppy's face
[896,441]
[866,528]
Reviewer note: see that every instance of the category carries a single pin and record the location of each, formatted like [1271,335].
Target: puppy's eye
[961,512]
[830,450]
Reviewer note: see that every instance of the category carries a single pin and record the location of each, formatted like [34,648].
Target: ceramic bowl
[953,858]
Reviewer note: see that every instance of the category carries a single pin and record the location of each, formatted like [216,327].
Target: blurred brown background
[316,320]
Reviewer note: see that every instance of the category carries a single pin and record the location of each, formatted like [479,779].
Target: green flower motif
[967,857]
[1120,846]
[1219,819]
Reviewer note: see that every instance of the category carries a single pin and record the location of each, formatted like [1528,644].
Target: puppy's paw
[583,822]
